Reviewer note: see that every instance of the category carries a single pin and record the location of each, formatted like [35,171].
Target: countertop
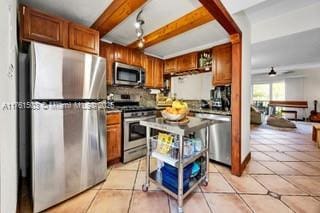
[194,110]
[113,111]
[207,111]
[194,124]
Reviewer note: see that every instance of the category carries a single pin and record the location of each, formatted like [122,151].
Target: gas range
[136,111]
[133,134]
[131,109]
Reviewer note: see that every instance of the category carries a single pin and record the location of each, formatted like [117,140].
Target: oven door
[126,74]
[134,134]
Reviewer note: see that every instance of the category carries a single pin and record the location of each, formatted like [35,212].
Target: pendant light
[272,73]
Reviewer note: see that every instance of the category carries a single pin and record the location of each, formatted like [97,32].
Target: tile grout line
[108,173]
[207,202]
[246,202]
[134,183]
[168,199]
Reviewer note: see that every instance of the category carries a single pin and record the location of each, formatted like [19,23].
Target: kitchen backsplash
[137,94]
[143,96]
[193,104]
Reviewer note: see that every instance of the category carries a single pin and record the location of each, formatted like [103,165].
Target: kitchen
[137,85]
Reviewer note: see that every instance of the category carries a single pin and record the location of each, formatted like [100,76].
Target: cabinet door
[83,39]
[38,26]
[158,73]
[170,65]
[149,69]
[113,142]
[106,50]
[222,65]
[121,54]
[136,58]
[187,62]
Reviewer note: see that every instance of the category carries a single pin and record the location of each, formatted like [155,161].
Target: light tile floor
[283,176]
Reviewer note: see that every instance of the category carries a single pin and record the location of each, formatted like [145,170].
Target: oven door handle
[132,120]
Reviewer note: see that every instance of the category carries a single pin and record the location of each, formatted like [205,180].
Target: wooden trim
[236,105]
[216,8]
[117,11]
[245,162]
[187,22]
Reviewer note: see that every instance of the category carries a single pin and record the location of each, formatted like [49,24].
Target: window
[269,91]
[278,91]
[261,92]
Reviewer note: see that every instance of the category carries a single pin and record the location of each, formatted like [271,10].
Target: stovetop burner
[130,106]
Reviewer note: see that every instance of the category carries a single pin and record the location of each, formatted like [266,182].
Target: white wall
[311,87]
[8,130]
[192,87]
[244,24]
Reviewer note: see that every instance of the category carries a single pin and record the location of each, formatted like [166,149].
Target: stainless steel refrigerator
[68,145]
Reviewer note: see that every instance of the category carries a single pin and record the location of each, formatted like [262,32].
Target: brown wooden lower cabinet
[113,142]
[113,137]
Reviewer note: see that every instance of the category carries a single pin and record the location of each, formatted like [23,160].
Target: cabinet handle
[23,10]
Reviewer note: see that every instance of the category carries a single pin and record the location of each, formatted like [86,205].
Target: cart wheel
[205,183]
[145,188]
[180,210]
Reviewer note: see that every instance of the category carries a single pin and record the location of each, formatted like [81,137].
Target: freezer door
[68,151]
[58,73]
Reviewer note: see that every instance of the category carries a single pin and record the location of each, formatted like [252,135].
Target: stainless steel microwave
[125,74]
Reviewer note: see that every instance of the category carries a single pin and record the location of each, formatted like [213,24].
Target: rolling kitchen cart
[194,125]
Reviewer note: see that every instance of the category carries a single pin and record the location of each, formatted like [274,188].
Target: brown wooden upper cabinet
[158,73]
[222,64]
[187,62]
[148,66]
[136,58]
[106,50]
[39,26]
[121,54]
[170,65]
[181,63]
[83,39]
[154,72]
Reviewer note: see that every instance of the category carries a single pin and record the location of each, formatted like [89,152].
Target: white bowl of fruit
[177,112]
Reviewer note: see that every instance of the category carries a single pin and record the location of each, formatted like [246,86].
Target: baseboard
[113,161]
[245,162]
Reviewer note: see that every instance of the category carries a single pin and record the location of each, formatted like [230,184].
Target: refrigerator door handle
[101,140]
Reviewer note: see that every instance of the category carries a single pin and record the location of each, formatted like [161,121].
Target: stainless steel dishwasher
[220,137]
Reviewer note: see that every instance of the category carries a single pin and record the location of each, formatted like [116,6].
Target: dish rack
[179,155]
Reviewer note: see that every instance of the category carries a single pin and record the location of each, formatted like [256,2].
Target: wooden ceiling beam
[216,8]
[117,11]
[187,22]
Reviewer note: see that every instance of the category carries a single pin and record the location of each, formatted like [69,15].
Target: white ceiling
[293,42]
[272,8]
[300,48]
[156,14]
[80,11]
[202,37]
